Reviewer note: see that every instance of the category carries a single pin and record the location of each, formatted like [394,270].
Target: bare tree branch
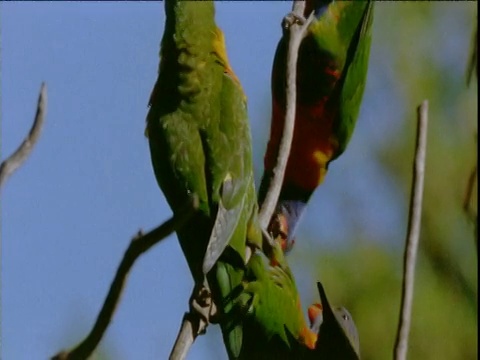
[413,234]
[297,32]
[473,59]
[139,244]
[471,68]
[192,326]
[15,160]
[467,201]
[194,322]
[469,191]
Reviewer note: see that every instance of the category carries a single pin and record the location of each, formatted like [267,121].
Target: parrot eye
[345,317]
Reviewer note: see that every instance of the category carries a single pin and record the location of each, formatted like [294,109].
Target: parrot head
[284,222]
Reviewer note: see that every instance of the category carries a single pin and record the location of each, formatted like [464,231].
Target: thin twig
[413,234]
[469,192]
[192,326]
[195,322]
[467,201]
[473,59]
[139,244]
[15,160]
[471,68]
[296,33]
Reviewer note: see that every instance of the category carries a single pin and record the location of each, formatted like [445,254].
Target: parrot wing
[352,82]
[269,309]
[225,224]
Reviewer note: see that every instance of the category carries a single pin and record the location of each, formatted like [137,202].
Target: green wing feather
[272,318]
[352,83]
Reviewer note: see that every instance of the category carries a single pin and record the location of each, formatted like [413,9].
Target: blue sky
[68,214]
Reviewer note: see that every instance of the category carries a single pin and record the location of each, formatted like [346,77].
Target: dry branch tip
[14,161]
[413,234]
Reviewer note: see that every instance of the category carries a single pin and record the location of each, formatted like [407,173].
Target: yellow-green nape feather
[220,51]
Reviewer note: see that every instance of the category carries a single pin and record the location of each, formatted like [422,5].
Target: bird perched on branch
[200,143]
[331,74]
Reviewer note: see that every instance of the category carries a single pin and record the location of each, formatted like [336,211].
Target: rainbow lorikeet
[200,143]
[331,75]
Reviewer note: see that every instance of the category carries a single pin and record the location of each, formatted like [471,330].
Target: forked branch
[139,244]
[192,326]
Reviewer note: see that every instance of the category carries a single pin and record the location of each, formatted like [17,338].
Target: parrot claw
[201,303]
[292,19]
[279,229]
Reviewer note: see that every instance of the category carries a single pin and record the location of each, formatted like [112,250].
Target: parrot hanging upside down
[331,74]
[200,143]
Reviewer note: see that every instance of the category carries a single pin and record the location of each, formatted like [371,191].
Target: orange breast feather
[312,147]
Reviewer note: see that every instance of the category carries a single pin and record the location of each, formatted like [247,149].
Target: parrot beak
[288,216]
[279,229]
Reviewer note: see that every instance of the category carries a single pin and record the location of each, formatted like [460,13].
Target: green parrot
[200,143]
[337,333]
[331,75]
[272,317]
